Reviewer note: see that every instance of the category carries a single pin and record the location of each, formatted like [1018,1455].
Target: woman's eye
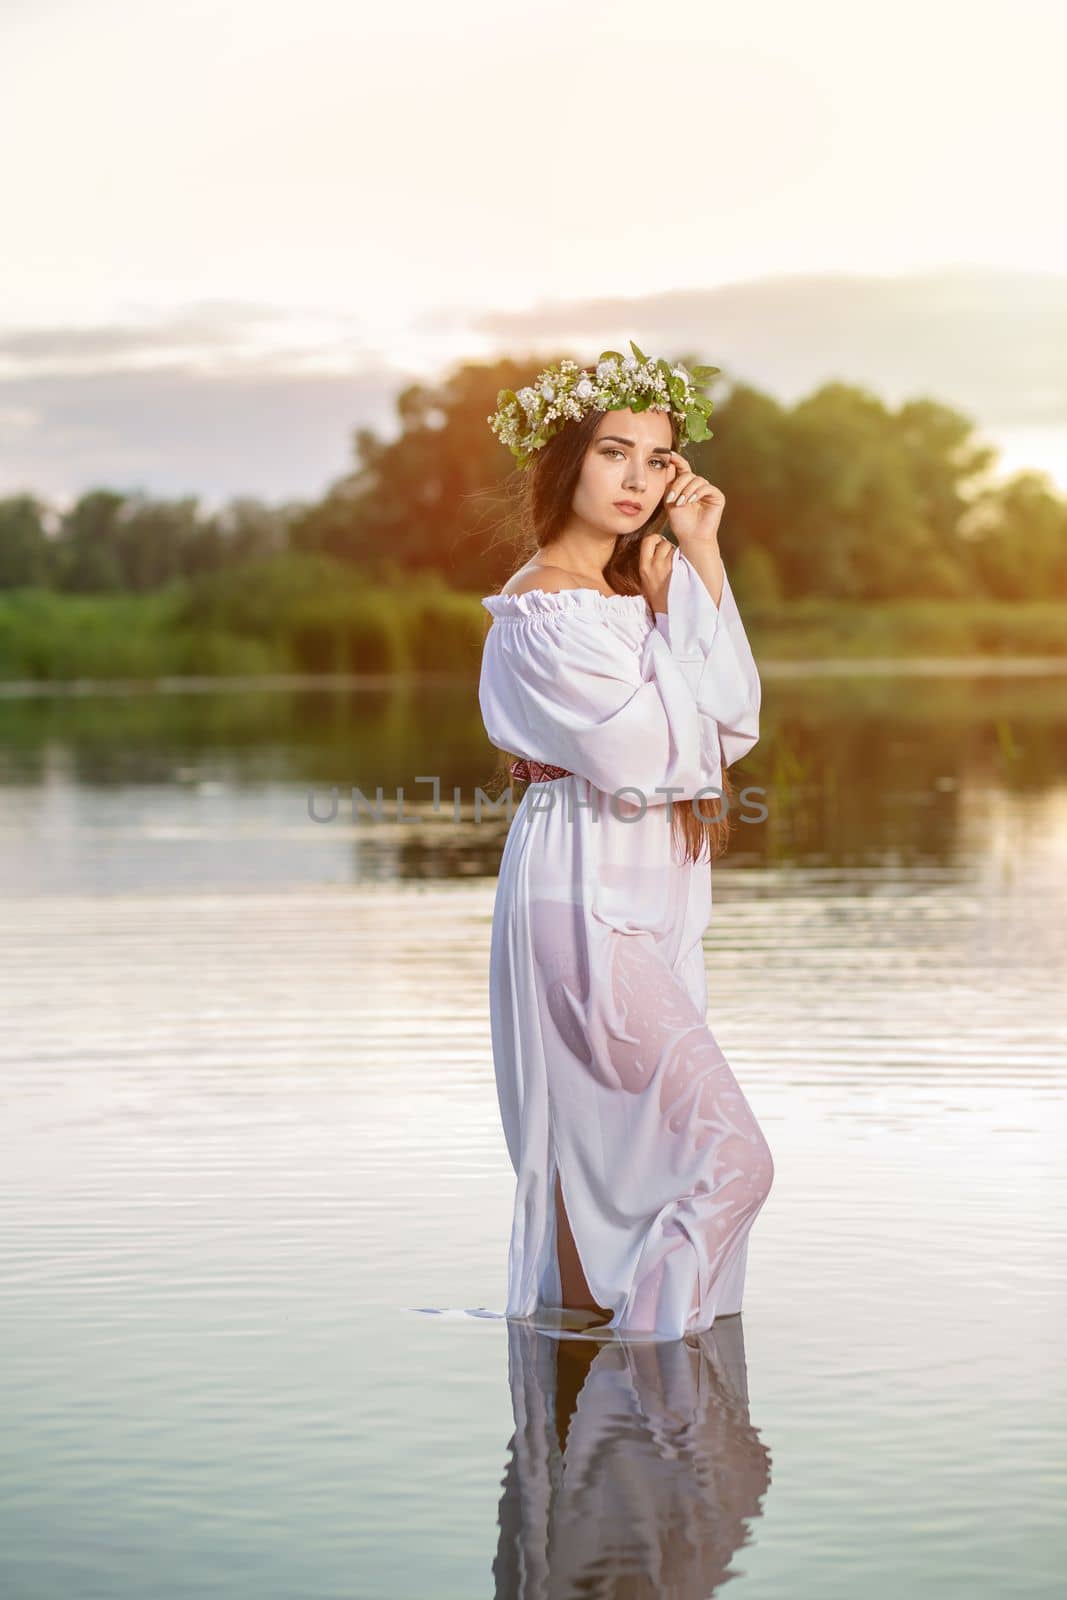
[656,461]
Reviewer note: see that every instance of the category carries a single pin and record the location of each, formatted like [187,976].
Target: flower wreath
[561,393]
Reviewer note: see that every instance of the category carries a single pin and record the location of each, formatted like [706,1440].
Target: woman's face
[627,461]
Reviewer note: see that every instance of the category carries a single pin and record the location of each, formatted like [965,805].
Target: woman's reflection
[632,1462]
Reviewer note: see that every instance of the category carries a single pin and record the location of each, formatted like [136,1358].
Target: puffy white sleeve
[582,681]
[711,646]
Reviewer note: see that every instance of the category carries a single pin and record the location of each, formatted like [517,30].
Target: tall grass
[308,614]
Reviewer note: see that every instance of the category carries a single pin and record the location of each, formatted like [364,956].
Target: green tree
[88,551]
[1016,539]
[429,499]
[250,529]
[24,548]
[875,497]
[152,540]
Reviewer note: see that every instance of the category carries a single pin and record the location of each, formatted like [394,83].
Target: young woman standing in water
[617,672]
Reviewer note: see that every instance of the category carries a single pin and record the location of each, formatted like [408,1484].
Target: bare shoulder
[549,579]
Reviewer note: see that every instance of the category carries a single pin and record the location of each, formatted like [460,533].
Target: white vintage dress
[605,1067]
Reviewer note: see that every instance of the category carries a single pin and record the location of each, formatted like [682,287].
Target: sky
[233,233]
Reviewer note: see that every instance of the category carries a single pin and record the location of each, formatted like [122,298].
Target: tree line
[838,496]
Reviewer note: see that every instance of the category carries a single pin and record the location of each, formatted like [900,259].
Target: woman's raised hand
[694,506]
[656,558]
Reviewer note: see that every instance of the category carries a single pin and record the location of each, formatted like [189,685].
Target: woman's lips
[630,507]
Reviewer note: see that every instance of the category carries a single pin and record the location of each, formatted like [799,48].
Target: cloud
[168,431]
[217,398]
[987,340]
[217,324]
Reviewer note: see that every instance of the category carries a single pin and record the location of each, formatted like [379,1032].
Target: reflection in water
[632,1461]
[185,790]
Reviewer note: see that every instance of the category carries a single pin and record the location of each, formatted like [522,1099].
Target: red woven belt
[525,771]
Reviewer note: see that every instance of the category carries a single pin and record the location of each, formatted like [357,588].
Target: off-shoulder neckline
[532,601]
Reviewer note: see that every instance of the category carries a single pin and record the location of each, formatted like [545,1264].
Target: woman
[617,669]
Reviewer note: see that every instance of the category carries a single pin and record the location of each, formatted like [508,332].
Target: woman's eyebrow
[659,450]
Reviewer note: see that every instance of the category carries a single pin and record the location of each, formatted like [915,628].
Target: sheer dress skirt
[608,1073]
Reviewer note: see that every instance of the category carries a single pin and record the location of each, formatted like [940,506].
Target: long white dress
[605,1067]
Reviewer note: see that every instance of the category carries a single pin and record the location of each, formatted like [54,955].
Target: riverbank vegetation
[851,529]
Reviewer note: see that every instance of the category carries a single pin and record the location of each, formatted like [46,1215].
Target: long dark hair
[544,494]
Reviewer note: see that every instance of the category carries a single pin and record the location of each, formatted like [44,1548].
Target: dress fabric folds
[606,1070]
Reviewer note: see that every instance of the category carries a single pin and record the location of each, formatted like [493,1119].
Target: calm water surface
[255,1199]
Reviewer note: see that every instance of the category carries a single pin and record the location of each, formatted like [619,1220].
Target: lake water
[255,1200]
